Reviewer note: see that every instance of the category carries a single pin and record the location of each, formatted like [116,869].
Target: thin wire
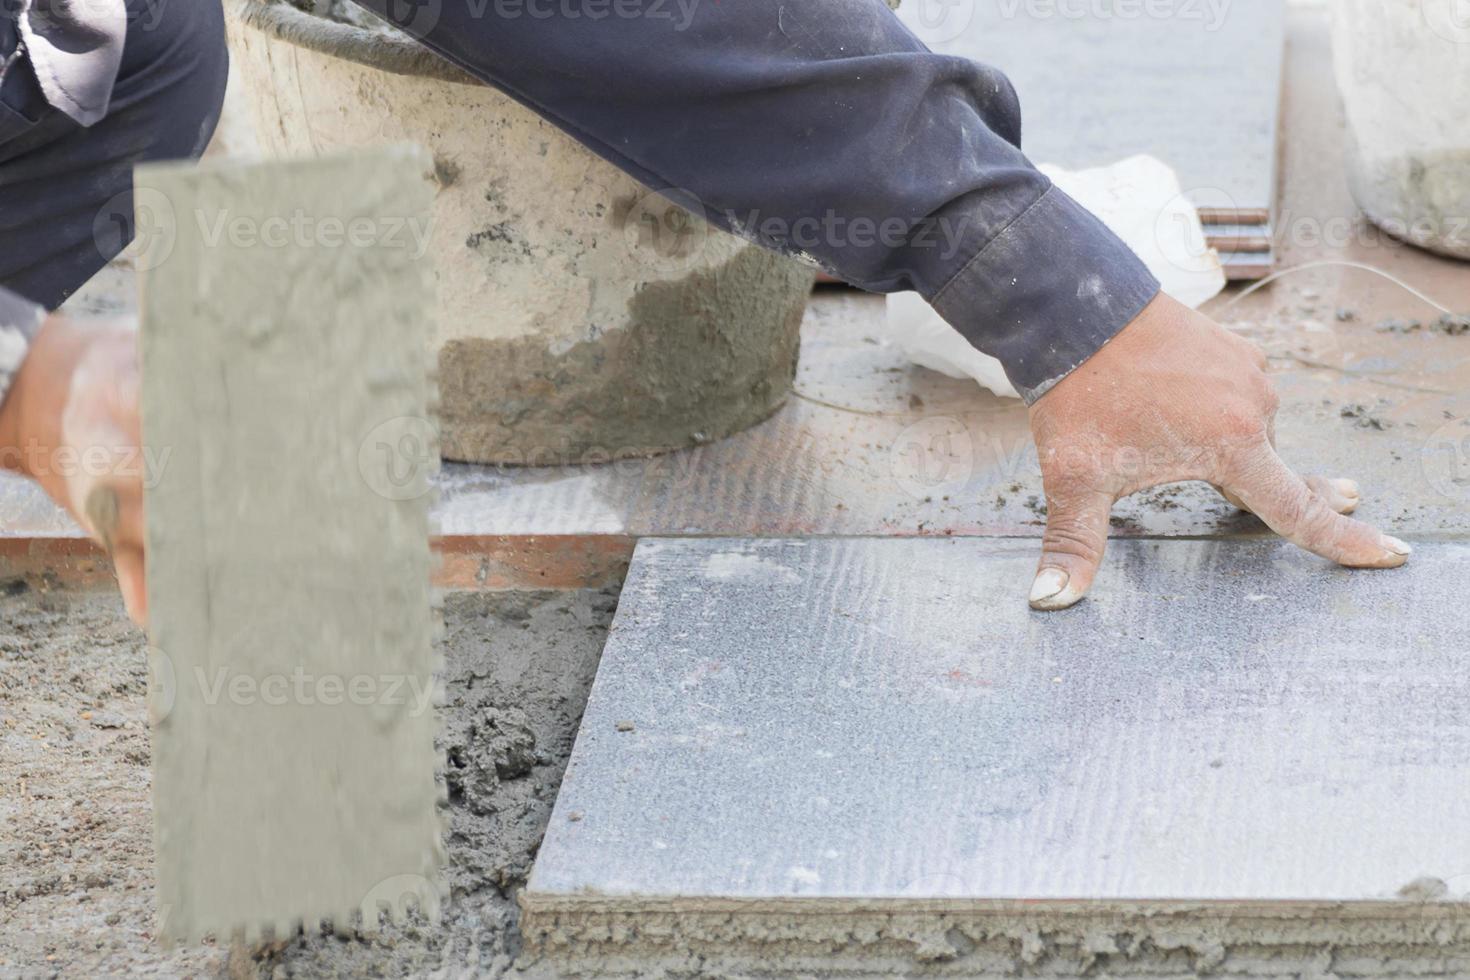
[796,390]
[1334,262]
[1258,284]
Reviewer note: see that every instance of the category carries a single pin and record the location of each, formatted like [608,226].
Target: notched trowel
[286,387]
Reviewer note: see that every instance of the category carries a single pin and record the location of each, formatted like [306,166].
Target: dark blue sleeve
[822,128]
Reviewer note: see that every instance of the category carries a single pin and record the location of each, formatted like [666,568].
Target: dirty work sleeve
[825,129]
[88,90]
[53,58]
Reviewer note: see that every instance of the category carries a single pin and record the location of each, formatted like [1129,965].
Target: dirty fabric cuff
[1046,292]
[19,321]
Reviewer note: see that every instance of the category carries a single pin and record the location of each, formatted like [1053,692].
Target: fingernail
[1348,488]
[1049,582]
[1395,545]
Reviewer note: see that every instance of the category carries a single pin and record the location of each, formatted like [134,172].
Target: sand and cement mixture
[76,845]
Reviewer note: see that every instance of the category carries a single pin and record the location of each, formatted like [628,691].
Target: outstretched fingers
[1341,494]
[1309,518]
[113,513]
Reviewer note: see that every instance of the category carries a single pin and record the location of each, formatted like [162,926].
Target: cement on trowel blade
[814,741]
[285,374]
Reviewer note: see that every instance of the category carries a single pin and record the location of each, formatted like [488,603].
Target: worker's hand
[71,423]
[1176,397]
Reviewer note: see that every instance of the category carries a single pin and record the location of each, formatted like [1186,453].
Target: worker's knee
[175,66]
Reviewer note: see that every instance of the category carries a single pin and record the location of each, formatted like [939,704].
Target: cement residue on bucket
[580,315]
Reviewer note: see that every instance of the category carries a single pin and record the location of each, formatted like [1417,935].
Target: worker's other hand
[71,421]
[1176,397]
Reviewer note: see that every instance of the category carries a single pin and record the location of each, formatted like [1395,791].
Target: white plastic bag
[1140,200]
